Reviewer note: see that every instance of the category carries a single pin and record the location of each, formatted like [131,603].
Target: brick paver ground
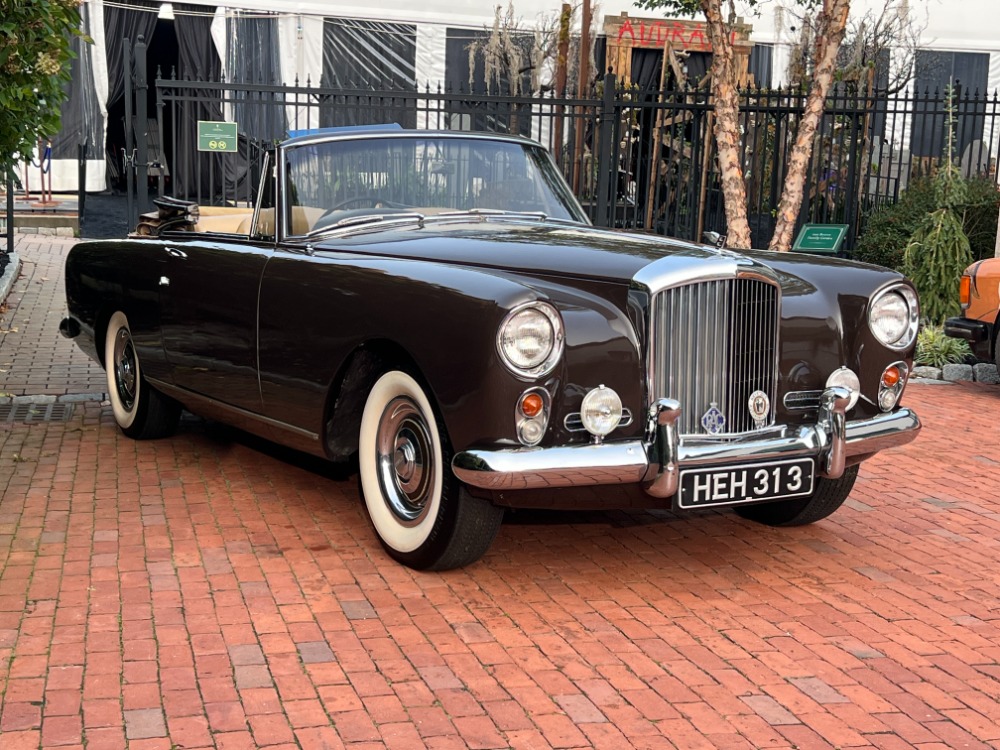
[210,590]
[34,358]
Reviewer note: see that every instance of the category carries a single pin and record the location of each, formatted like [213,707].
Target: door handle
[173,251]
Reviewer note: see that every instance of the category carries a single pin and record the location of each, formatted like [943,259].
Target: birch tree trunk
[829,35]
[727,126]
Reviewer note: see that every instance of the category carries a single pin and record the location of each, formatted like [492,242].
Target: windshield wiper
[486,213]
[353,221]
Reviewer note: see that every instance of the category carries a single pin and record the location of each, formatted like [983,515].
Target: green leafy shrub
[888,229]
[935,258]
[934,349]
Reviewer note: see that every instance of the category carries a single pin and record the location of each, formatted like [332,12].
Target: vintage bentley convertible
[438,305]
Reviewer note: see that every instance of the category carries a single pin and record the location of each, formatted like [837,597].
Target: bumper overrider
[656,461]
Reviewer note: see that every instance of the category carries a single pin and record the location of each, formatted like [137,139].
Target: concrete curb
[10,274]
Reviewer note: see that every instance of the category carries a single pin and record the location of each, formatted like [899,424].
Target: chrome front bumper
[656,461]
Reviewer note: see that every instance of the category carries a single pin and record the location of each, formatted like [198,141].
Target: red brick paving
[203,591]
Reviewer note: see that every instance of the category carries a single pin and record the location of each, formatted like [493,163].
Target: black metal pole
[141,127]
[129,160]
[10,212]
[81,196]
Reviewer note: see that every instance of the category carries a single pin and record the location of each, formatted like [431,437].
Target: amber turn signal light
[891,376]
[965,291]
[531,405]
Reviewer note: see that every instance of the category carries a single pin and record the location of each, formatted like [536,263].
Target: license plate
[778,480]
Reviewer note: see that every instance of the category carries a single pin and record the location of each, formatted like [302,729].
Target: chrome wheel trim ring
[126,369]
[405,461]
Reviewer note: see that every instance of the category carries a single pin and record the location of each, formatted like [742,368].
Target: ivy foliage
[35,51]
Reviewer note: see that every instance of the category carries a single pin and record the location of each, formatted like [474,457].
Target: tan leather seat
[224,219]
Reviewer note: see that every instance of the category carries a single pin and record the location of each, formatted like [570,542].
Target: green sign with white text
[216,136]
[820,238]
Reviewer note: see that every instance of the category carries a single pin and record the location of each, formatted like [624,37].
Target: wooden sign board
[625,33]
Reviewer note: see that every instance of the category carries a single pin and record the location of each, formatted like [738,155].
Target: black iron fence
[637,159]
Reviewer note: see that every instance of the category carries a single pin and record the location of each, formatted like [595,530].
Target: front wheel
[141,411]
[829,495]
[421,513]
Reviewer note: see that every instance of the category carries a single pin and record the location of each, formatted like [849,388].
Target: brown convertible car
[437,304]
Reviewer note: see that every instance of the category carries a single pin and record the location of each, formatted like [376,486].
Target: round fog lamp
[846,378]
[601,411]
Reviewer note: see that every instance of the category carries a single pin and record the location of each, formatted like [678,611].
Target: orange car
[980,320]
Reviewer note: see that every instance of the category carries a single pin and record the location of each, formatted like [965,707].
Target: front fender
[315,312]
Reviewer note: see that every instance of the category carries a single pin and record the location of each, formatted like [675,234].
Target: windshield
[343,181]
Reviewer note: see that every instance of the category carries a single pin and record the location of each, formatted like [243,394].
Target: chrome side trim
[189,397]
[650,462]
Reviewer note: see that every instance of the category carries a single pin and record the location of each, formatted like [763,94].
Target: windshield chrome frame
[281,222]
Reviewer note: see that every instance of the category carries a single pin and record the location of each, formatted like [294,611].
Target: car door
[209,317]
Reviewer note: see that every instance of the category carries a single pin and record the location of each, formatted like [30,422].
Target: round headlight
[601,411]
[530,339]
[846,378]
[894,317]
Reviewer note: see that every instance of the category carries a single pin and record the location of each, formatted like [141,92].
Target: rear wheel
[421,513]
[829,495]
[141,411]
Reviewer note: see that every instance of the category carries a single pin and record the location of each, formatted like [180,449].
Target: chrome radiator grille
[715,342]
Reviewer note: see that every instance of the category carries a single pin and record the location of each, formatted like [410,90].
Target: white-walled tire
[421,513]
[142,412]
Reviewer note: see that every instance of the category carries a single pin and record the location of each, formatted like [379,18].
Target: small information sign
[216,136]
[820,238]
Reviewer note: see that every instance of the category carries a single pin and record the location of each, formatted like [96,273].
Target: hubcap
[404,452]
[126,369]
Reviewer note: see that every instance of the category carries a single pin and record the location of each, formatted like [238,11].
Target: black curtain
[470,114]
[761,65]
[370,55]
[196,174]
[967,72]
[82,121]
[647,67]
[253,57]
[199,59]
[121,23]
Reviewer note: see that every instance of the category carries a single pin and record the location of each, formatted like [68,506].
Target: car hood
[530,247]
[577,251]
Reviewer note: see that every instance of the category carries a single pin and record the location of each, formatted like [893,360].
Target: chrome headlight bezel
[908,336]
[556,344]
